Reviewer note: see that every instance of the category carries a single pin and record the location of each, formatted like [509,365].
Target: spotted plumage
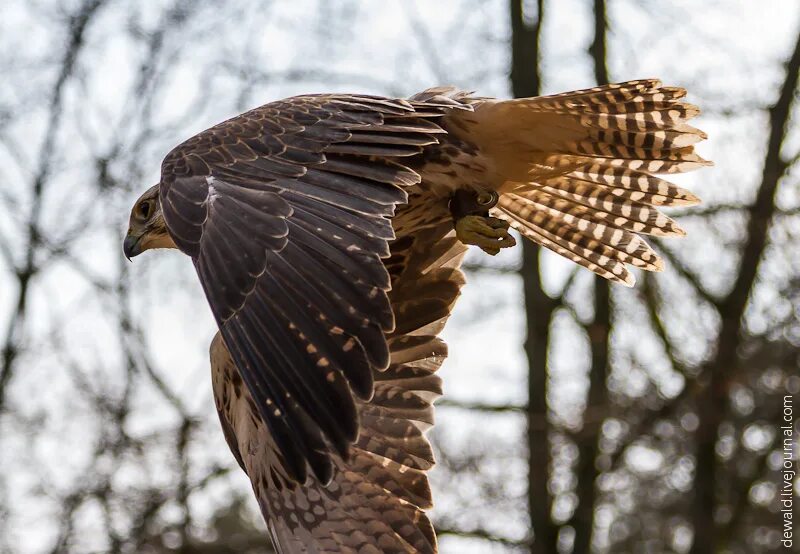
[322,233]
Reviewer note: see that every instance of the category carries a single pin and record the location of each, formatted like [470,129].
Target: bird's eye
[144,209]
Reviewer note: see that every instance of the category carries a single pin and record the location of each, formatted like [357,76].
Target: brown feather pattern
[375,501]
[285,211]
[590,189]
[320,231]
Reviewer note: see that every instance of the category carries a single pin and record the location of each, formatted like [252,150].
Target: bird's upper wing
[376,501]
[285,212]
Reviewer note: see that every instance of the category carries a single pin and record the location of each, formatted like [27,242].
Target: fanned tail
[577,170]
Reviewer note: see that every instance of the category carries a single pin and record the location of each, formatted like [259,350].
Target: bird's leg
[474,225]
[488,233]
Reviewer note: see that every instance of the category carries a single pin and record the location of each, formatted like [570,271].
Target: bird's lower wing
[376,501]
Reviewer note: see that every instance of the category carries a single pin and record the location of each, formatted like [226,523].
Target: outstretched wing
[285,212]
[376,501]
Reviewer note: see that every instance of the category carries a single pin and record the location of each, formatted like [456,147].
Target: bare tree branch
[712,401]
[78,25]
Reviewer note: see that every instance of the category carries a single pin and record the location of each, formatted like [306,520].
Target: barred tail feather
[598,205]
[578,170]
[601,248]
[636,185]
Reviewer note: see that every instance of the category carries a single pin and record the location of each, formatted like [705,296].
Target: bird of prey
[327,233]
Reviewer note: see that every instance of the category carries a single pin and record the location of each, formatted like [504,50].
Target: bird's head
[146,228]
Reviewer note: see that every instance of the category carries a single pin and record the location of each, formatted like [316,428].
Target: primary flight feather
[327,232]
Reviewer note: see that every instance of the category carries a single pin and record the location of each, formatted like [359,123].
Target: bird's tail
[576,171]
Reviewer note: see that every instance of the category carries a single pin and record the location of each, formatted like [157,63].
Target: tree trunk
[712,400]
[599,331]
[526,81]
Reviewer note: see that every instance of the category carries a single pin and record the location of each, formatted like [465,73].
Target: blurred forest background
[578,417]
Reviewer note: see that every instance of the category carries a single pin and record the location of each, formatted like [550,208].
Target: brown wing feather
[375,501]
[285,212]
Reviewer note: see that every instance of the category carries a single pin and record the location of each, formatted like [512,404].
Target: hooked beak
[131,246]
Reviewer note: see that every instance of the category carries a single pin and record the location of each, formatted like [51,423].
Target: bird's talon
[490,234]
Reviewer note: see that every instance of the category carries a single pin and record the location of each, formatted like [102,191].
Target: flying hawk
[327,232]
